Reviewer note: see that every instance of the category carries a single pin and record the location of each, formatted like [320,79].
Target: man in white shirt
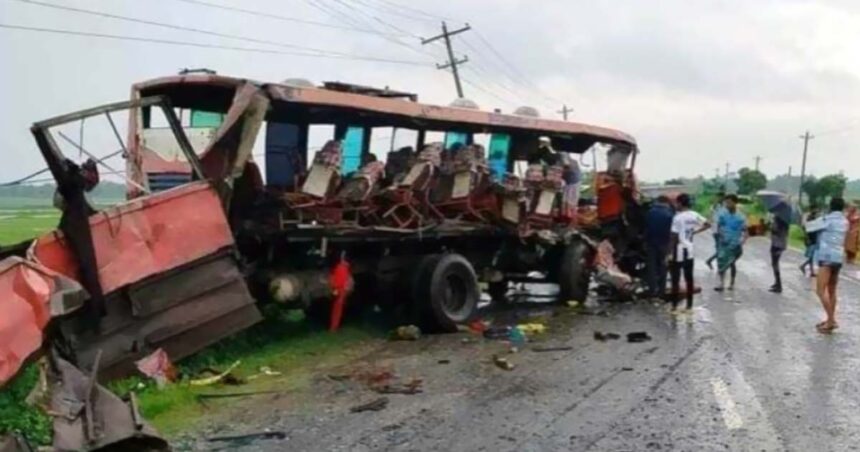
[685,225]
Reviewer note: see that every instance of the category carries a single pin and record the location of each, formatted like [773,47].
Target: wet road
[744,372]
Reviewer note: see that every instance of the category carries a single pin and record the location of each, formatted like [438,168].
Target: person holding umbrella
[776,204]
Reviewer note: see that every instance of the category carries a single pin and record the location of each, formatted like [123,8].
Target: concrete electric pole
[564,111]
[805,137]
[452,62]
[757,160]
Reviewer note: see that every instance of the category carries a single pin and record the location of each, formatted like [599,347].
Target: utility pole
[727,175]
[805,137]
[564,111]
[452,62]
[757,160]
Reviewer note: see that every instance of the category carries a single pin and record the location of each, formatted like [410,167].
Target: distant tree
[832,185]
[818,190]
[750,181]
[675,181]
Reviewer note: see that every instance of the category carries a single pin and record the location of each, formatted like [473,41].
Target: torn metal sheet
[89,417]
[32,296]
[145,236]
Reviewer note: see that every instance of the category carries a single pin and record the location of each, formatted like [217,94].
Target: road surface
[745,371]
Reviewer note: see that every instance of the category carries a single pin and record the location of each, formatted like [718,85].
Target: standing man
[732,232]
[685,225]
[831,252]
[778,244]
[658,234]
[717,209]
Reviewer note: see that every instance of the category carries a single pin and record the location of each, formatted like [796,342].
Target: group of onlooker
[831,239]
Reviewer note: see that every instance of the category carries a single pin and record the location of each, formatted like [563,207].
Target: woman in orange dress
[852,238]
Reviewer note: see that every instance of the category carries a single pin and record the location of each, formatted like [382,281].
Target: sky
[699,84]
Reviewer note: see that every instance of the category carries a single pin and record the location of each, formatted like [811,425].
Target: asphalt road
[744,372]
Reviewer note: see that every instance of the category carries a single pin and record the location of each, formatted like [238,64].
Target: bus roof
[319,105]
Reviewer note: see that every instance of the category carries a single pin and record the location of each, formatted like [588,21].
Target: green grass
[284,342]
[796,237]
[16,416]
[17,225]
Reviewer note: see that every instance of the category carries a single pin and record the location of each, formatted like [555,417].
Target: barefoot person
[832,229]
[732,232]
[685,225]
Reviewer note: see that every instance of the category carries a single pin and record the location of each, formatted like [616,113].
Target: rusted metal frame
[95,111]
[89,403]
[101,162]
[116,134]
[75,219]
[182,140]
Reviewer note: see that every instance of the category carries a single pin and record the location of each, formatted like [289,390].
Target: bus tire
[574,272]
[446,292]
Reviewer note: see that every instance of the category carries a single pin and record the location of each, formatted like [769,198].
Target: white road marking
[730,414]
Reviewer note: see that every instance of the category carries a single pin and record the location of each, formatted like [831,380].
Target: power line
[382,7]
[435,17]
[511,67]
[346,18]
[179,27]
[277,17]
[208,46]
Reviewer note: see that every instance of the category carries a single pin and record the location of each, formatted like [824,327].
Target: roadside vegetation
[284,344]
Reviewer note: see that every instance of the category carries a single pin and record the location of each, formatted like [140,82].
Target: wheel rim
[454,295]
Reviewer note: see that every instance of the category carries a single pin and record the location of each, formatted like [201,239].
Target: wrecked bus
[221,217]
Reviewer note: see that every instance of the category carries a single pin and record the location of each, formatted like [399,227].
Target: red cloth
[339,281]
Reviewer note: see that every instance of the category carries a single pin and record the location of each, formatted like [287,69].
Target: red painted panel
[146,236]
[26,307]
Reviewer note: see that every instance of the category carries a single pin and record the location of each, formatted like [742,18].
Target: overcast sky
[698,83]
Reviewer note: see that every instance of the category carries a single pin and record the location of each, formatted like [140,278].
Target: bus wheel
[447,292]
[574,272]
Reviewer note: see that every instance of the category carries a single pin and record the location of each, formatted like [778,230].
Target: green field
[19,224]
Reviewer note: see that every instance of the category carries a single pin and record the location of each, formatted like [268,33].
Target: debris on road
[561,348]
[406,333]
[603,337]
[248,437]
[497,332]
[375,405]
[411,387]
[639,336]
[532,328]
[503,363]
[226,395]
[225,376]
[265,371]
[158,367]
[477,326]
[443,361]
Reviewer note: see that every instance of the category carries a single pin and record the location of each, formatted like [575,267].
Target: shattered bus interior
[206,234]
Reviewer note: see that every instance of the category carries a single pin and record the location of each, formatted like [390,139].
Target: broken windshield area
[90,148]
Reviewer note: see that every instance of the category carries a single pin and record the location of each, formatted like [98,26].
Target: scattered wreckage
[202,239]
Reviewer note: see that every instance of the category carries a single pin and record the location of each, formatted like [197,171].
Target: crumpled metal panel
[31,296]
[146,236]
[89,417]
